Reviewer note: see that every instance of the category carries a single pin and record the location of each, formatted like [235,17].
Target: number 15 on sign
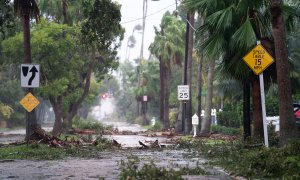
[183,92]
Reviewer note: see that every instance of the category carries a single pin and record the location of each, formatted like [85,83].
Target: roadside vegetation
[90,124]
[132,169]
[249,160]
[78,146]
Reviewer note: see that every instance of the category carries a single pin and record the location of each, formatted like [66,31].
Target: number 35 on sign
[183,92]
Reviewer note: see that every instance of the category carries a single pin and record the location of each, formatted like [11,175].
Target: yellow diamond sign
[258,59]
[29,102]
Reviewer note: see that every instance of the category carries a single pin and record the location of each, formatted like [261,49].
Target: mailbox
[195,119]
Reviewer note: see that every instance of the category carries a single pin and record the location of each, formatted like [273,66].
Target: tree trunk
[76,105]
[162,87]
[287,119]
[84,111]
[199,88]
[167,94]
[64,11]
[258,131]
[191,20]
[206,123]
[57,107]
[246,110]
[180,117]
[31,120]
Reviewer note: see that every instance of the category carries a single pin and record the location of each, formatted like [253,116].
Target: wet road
[105,167]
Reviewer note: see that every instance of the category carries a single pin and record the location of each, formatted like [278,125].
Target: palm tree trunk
[246,110]
[31,120]
[287,120]
[167,94]
[206,123]
[199,87]
[162,87]
[258,131]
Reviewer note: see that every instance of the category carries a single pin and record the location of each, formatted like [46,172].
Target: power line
[149,14]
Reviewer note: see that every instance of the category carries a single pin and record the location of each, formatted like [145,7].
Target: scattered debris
[115,143]
[155,144]
[144,145]
[82,131]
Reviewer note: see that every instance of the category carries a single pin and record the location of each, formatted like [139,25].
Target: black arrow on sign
[33,70]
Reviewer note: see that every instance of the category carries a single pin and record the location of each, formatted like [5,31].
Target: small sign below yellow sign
[258,59]
[29,102]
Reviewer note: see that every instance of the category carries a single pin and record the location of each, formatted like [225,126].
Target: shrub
[272,106]
[89,124]
[158,126]
[173,116]
[231,115]
[226,130]
[130,170]
[254,162]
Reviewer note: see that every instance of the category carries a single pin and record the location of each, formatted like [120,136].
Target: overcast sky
[132,13]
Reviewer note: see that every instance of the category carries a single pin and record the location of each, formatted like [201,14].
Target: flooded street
[106,164]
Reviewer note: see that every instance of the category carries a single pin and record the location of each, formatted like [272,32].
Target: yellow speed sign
[258,59]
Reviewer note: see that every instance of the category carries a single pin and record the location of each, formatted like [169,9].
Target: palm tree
[27,9]
[62,11]
[166,47]
[287,121]
[234,28]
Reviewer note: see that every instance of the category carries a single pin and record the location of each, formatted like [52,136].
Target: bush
[173,116]
[226,130]
[89,124]
[272,106]
[130,170]
[231,115]
[254,162]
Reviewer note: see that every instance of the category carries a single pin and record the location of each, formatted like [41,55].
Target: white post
[195,130]
[263,106]
[195,122]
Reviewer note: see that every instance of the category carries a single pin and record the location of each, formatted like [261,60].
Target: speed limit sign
[183,92]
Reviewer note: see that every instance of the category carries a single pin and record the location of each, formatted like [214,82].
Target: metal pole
[263,106]
[183,116]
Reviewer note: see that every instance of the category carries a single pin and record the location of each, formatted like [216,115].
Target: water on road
[107,164]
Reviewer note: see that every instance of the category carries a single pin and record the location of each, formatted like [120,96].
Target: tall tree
[206,123]
[234,28]
[27,9]
[166,47]
[287,121]
[101,32]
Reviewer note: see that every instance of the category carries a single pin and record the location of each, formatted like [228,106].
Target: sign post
[183,95]
[195,123]
[258,59]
